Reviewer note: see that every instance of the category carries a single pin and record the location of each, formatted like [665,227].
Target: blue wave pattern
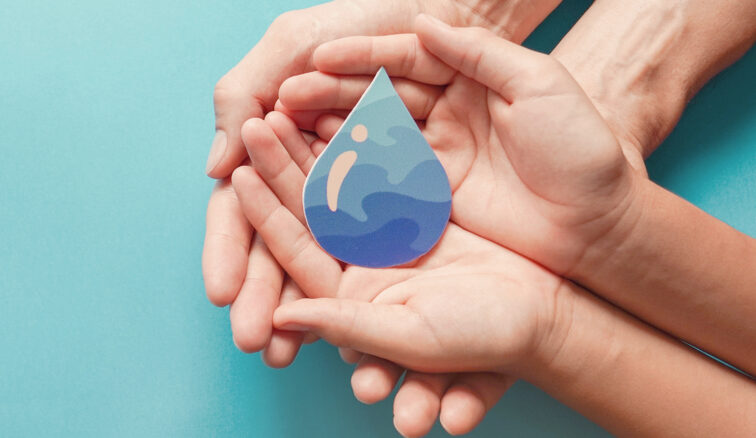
[394,202]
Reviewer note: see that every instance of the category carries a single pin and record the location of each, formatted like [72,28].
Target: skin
[631,379]
[678,268]
[239,272]
[519,320]
[502,63]
[273,144]
[596,51]
[641,61]
[534,156]
[571,202]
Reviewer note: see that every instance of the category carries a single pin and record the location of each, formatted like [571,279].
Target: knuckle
[407,64]
[286,20]
[227,91]
[548,63]
[301,242]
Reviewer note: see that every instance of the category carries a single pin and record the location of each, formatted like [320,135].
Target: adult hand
[238,270]
[250,89]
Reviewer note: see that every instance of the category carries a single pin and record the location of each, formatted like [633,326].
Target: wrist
[577,338]
[623,61]
[625,375]
[513,20]
[603,256]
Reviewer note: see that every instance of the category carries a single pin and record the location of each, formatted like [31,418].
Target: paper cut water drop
[377,196]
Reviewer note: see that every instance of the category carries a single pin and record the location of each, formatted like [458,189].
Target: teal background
[105,121]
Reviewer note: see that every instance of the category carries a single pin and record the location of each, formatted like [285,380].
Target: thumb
[484,57]
[390,331]
[235,102]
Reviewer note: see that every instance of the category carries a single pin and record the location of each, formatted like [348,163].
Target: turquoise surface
[105,123]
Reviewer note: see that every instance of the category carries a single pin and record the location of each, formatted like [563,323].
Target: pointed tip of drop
[380,87]
[382,74]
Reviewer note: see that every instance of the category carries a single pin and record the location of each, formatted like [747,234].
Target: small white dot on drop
[359,133]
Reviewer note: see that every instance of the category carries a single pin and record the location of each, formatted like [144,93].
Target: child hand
[468,305]
[461,399]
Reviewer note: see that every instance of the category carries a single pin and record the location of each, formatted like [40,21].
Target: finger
[297,144]
[227,240]
[284,345]
[320,91]
[401,55]
[317,147]
[305,120]
[374,378]
[273,162]
[234,103]
[390,331]
[469,398]
[417,403]
[288,240]
[349,356]
[251,312]
[481,55]
[307,135]
[327,126]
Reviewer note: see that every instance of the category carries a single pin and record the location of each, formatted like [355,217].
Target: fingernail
[216,151]
[397,428]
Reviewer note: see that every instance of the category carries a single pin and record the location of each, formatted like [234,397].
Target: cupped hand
[282,158]
[532,164]
[462,265]
[250,90]
[237,269]
[468,305]
[464,277]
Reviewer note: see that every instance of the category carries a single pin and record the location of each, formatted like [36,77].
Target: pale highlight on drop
[339,169]
[359,133]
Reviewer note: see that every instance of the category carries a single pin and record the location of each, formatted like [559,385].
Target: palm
[463,271]
[464,281]
[519,182]
[272,200]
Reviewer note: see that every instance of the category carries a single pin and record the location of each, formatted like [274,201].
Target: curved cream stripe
[336,175]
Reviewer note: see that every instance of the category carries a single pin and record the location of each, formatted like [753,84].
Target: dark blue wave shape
[382,248]
[398,229]
[427,181]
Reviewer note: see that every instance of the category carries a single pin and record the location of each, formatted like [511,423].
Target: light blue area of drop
[395,201]
[382,111]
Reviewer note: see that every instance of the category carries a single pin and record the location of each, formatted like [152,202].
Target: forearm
[636,381]
[681,270]
[511,19]
[290,40]
[641,61]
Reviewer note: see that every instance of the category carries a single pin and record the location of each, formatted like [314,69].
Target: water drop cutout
[377,196]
